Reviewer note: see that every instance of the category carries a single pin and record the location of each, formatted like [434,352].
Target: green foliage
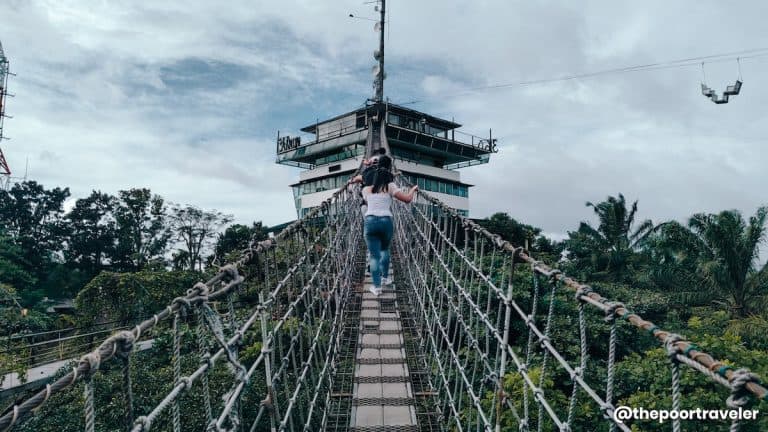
[670,278]
[195,228]
[32,217]
[92,232]
[125,297]
[142,233]
[523,235]
[714,259]
[237,237]
[14,270]
[608,252]
[519,234]
[643,380]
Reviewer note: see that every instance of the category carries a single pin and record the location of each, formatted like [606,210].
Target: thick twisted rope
[689,350]
[225,281]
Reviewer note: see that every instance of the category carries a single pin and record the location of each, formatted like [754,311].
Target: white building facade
[425,148]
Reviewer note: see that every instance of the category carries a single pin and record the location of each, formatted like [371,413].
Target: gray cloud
[186,97]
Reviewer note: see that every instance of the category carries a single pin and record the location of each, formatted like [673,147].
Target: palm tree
[716,258]
[610,250]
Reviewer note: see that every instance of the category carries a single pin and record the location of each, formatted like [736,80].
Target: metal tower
[429,150]
[5,170]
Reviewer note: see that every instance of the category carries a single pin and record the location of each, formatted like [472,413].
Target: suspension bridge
[463,340]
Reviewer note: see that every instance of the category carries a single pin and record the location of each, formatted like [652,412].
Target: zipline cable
[679,63]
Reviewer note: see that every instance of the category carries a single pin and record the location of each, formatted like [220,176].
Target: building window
[439,186]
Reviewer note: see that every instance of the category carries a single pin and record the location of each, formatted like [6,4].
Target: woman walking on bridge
[378,218]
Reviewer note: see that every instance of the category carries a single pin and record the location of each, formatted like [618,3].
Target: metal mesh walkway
[383,398]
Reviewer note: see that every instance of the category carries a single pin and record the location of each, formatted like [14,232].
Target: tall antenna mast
[5,170]
[379,74]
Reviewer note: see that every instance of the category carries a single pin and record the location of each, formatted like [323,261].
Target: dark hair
[385,162]
[380,150]
[382,176]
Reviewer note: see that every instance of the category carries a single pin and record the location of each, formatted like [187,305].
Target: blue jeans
[378,235]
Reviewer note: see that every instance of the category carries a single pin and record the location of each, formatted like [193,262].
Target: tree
[520,234]
[92,232]
[196,229]
[142,234]
[32,218]
[610,250]
[715,257]
[237,237]
[517,233]
[13,268]
[180,260]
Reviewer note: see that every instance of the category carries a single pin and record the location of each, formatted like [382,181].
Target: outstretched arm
[356,179]
[407,197]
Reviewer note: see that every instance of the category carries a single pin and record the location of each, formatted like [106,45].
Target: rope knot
[124,343]
[143,422]
[267,402]
[554,274]
[186,382]
[607,409]
[94,361]
[231,271]
[740,395]
[502,395]
[528,319]
[577,372]
[206,359]
[582,291]
[201,289]
[183,303]
[669,344]
[610,311]
[544,340]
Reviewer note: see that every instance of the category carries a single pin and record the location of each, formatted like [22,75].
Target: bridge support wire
[493,330]
[276,357]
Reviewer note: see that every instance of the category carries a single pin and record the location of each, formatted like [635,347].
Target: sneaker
[387,281]
[375,290]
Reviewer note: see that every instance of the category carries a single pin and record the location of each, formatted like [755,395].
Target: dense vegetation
[125,256]
[119,257]
[702,279]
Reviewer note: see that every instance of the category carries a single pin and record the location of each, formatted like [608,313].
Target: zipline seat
[734,89]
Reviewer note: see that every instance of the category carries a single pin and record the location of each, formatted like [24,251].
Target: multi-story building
[428,150]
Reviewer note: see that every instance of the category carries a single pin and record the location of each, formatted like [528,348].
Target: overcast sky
[186,98]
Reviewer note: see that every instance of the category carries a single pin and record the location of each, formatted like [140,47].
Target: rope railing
[504,337]
[276,356]
[493,316]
